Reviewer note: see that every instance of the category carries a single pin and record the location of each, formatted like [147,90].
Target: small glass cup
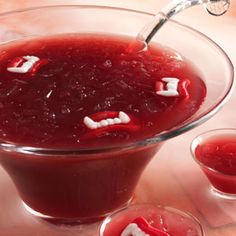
[166,219]
[215,152]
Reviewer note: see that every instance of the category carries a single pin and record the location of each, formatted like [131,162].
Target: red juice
[84,76]
[218,156]
[83,92]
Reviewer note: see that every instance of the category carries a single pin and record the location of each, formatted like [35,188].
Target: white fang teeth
[117,121]
[134,230]
[170,80]
[122,118]
[110,121]
[168,93]
[90,123]
[26,66]
[104,123]
[172,86]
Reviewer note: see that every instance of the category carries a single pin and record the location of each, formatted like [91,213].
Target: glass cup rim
[170,209]
[162,136]
[200,137]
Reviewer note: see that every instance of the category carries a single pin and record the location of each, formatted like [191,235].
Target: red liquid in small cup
[168,222]
[219,154]
[87,76]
